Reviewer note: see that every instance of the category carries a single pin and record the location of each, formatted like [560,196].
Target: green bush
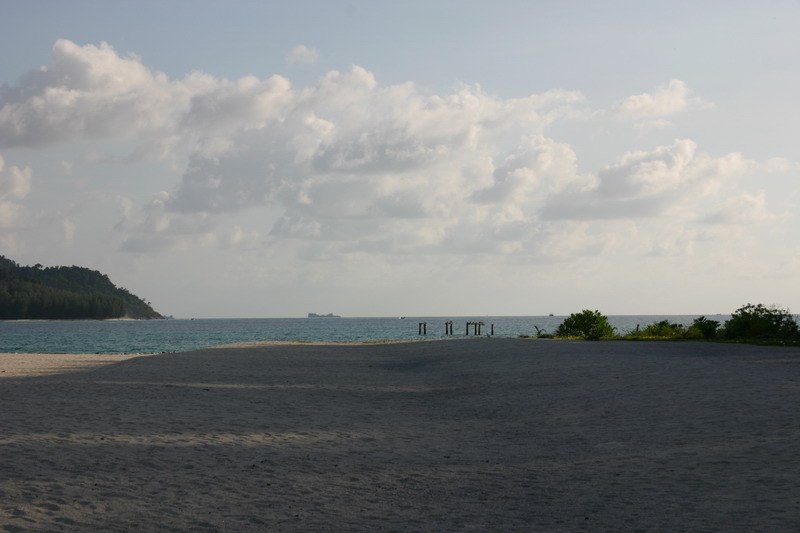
[588,324]
[664,329]
[759,322]
[703,327]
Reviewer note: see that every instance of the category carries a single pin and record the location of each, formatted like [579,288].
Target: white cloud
[15,185]
[647,184]
[90,92]
[649,110]
[368,167]
[245,103]
[745,209]
[666,100]
[303,54]
[348,167]
[15,182]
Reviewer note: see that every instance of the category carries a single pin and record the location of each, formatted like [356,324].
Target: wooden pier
[448,328]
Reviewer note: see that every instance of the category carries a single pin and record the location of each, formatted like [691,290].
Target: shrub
[588,324]
[761,322]
[704,327]
[664,329]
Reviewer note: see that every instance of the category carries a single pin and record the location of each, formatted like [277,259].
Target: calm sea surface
[154,336]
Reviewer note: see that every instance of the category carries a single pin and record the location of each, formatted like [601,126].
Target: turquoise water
[154,336]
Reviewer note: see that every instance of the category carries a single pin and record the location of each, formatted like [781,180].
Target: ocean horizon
[180,335]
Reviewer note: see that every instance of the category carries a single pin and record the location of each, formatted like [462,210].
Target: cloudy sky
[369,158]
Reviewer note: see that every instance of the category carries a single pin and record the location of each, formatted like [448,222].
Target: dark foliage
[759,322]
[591,325]
[64,292]
[707,328]
[664,329]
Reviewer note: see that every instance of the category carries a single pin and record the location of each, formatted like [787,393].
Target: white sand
[463,435]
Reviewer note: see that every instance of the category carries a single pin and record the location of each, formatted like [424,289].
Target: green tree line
[36,292]
[750,323]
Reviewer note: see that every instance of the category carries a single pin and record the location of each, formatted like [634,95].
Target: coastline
[501,434]
[156,336]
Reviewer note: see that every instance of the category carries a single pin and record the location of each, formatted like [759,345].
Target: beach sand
[458,435]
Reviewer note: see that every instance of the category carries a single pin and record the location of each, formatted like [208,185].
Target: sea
[180,335]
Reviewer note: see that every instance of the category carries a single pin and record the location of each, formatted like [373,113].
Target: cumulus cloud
[538,167]
[15,185]
[303,54]
[745,209]
[233,105]
[348,166]
[651,109]
[367,167]
[90,92]
[15,182]
[647,184]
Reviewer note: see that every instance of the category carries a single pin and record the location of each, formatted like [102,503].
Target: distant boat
[329,315]
[402,318]
[551,314]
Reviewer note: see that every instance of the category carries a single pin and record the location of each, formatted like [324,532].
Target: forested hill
[35,292]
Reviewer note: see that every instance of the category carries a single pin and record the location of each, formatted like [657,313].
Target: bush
[761,322]
[664,329]
[704,327]
[588,324]
[700,328]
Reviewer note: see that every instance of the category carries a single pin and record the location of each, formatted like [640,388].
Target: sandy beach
[458,435]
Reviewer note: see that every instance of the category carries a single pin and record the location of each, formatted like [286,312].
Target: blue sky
[401,158]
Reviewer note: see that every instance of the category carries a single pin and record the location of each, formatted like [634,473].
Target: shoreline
[156,336]
[508,435]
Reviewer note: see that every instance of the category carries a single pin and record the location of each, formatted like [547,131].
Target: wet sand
[459,435]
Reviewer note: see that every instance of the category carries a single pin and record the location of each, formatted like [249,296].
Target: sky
[415,158]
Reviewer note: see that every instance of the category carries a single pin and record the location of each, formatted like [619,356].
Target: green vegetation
[750,323]
[35,292]
[758,322]
[587,324]
[705,327]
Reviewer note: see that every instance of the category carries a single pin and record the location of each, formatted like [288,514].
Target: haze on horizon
[270,159]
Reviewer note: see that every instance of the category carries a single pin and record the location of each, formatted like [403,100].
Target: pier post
[423,328]
[492,330]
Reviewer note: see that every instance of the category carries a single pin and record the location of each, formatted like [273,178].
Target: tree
[761,322]
[591,325]
[707,328]
[64,292]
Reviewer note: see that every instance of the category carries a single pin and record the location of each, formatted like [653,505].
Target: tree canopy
[60,292]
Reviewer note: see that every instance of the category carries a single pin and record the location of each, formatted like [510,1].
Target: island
[61,292]
[329,315]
